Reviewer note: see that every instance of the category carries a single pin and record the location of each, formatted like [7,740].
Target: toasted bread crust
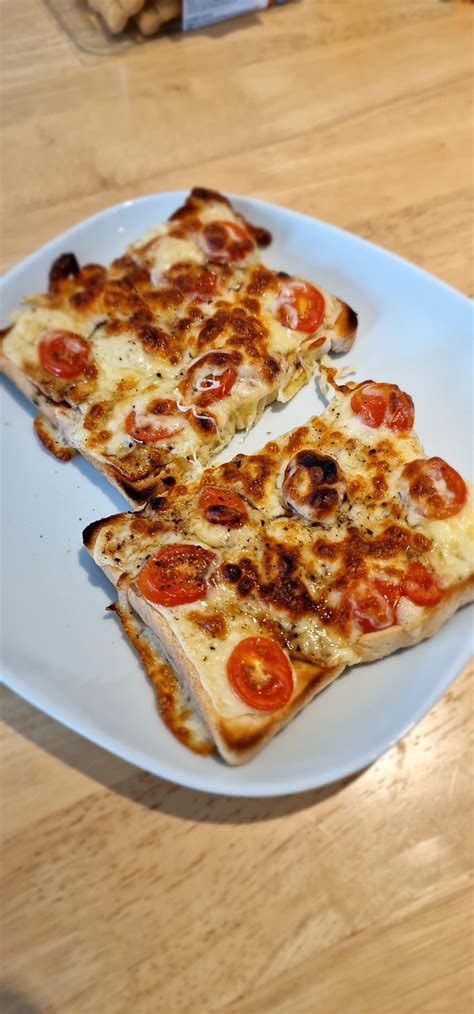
[52,440]
[171,706]
[384,642]
[239,739]
[345,329]
[62,418]
[175,714]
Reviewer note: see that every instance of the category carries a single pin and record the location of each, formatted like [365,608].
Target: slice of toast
[148,367]
[340,542]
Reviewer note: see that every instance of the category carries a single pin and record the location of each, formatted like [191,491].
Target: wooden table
[123,893]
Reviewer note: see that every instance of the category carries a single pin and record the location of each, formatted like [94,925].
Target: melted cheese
[210,656]
[127,366]
[452,555]
[217,211]
[159,250]
[285,339]
[409,615]
[21,344]
[167,250]
[403,447]
[182,441]
[121,357]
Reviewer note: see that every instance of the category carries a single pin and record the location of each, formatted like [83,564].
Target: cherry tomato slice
[213,386]
[300,306]
[209,379]
[192,281]
[375,404]
[148,433]
[420,586]
[224,241]
[205,287]
[221,507]
[310,485]
[260,674]
[64,354]
[436,490]
[373,604]
[176,575]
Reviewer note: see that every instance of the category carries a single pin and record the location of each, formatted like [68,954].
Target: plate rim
[259,789]
[204,780]
[180,194]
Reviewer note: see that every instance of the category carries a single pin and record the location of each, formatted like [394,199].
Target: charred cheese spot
[213,624]
[261,236]
[251,475]
[65,266]
[274,578]
[204,425]
[213,328]
[224,241]
[155,341]
[95,415]
[251,304]
[231,572]
[313,486]
[194,282]
[261,280]
[199,195]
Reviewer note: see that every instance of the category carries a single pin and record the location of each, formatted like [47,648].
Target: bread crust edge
[239,739]
[63,417]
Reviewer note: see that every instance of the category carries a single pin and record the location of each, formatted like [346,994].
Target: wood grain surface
[120,892]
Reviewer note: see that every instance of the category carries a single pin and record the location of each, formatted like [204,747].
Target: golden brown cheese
[316,561]
[184,340]
[205,229]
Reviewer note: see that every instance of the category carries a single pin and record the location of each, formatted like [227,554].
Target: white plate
[66,655]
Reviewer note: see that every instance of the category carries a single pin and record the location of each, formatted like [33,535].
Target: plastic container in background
[89,33]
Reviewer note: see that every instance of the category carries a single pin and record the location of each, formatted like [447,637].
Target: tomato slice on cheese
[260,674]
[209,379]
[224,242]
[372,603]
[300,306]
[64,354]
[435,489]
[312,485]
[420,585]
[150,429]
[215,387]
[221,507]
[192,281]
[176,575]
[377,404]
